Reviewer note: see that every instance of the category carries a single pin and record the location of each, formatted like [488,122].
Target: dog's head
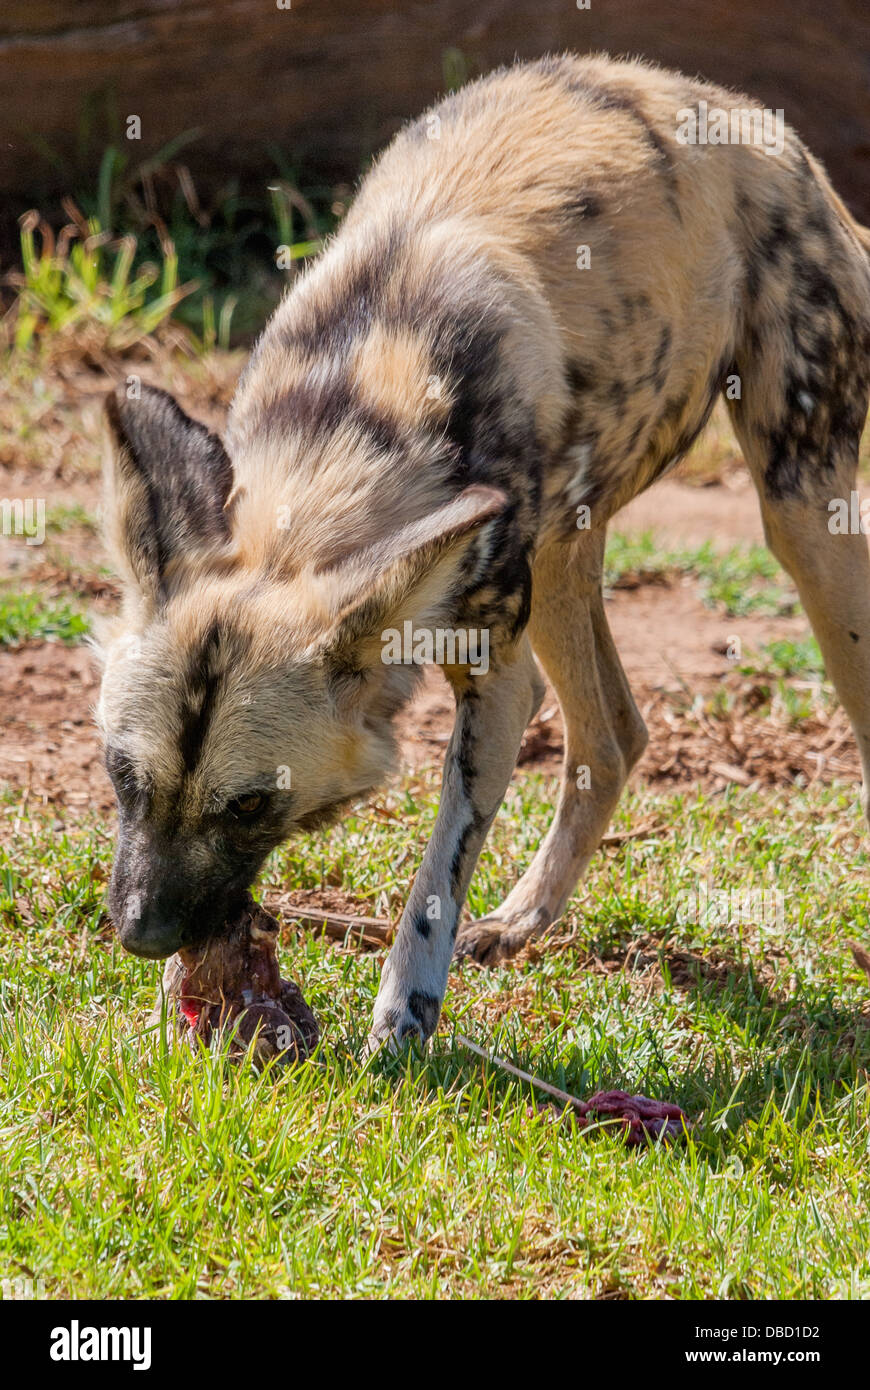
[241,700]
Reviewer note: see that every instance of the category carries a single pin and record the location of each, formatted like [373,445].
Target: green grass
[70,516]
[33,617]
[129,1171]
[86,280]
[741,580]
[785,677]
[787,658]
[138,246]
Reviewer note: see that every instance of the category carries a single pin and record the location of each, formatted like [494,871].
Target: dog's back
[546,267]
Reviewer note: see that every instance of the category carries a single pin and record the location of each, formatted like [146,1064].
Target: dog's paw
[390,1043]
[490,940]
[397,1026]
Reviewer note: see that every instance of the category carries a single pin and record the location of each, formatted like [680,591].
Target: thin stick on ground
[536,1081]
[640,1118]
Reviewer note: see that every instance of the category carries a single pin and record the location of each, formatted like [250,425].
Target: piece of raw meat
[232,985]
[642,1119]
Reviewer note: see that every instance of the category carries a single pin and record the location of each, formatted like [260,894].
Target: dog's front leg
[493,711]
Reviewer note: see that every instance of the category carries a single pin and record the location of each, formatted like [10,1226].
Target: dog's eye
[246,805]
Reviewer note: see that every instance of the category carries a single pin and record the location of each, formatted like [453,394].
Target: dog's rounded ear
[166,482]
[410,574]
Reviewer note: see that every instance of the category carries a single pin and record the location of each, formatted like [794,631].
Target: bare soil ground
[672,645]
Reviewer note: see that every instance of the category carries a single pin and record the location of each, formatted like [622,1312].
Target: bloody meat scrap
[641,1119]
[232,986]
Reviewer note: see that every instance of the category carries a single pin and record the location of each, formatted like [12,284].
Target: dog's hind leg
[831,571]
[805,384]
[604,737]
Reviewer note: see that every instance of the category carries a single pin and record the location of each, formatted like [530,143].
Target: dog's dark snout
[149,934]
[147,900]
[159,904]
[149,924]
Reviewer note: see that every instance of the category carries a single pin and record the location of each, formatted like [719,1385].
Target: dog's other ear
[408,575]
[166,481]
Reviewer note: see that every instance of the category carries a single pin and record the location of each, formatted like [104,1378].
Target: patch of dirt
[51,415]
[311,900]
[726,513]
[689,747]
[671,646]
[50,744]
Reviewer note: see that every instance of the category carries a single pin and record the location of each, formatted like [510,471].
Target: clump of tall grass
[81,287]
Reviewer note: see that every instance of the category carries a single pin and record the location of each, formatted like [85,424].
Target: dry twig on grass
[642,1120]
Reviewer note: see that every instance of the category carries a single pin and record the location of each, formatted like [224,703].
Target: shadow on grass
[808,1056]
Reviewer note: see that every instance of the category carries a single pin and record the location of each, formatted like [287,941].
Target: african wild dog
[411,441]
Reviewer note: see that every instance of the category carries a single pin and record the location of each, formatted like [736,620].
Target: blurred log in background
[328,81]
